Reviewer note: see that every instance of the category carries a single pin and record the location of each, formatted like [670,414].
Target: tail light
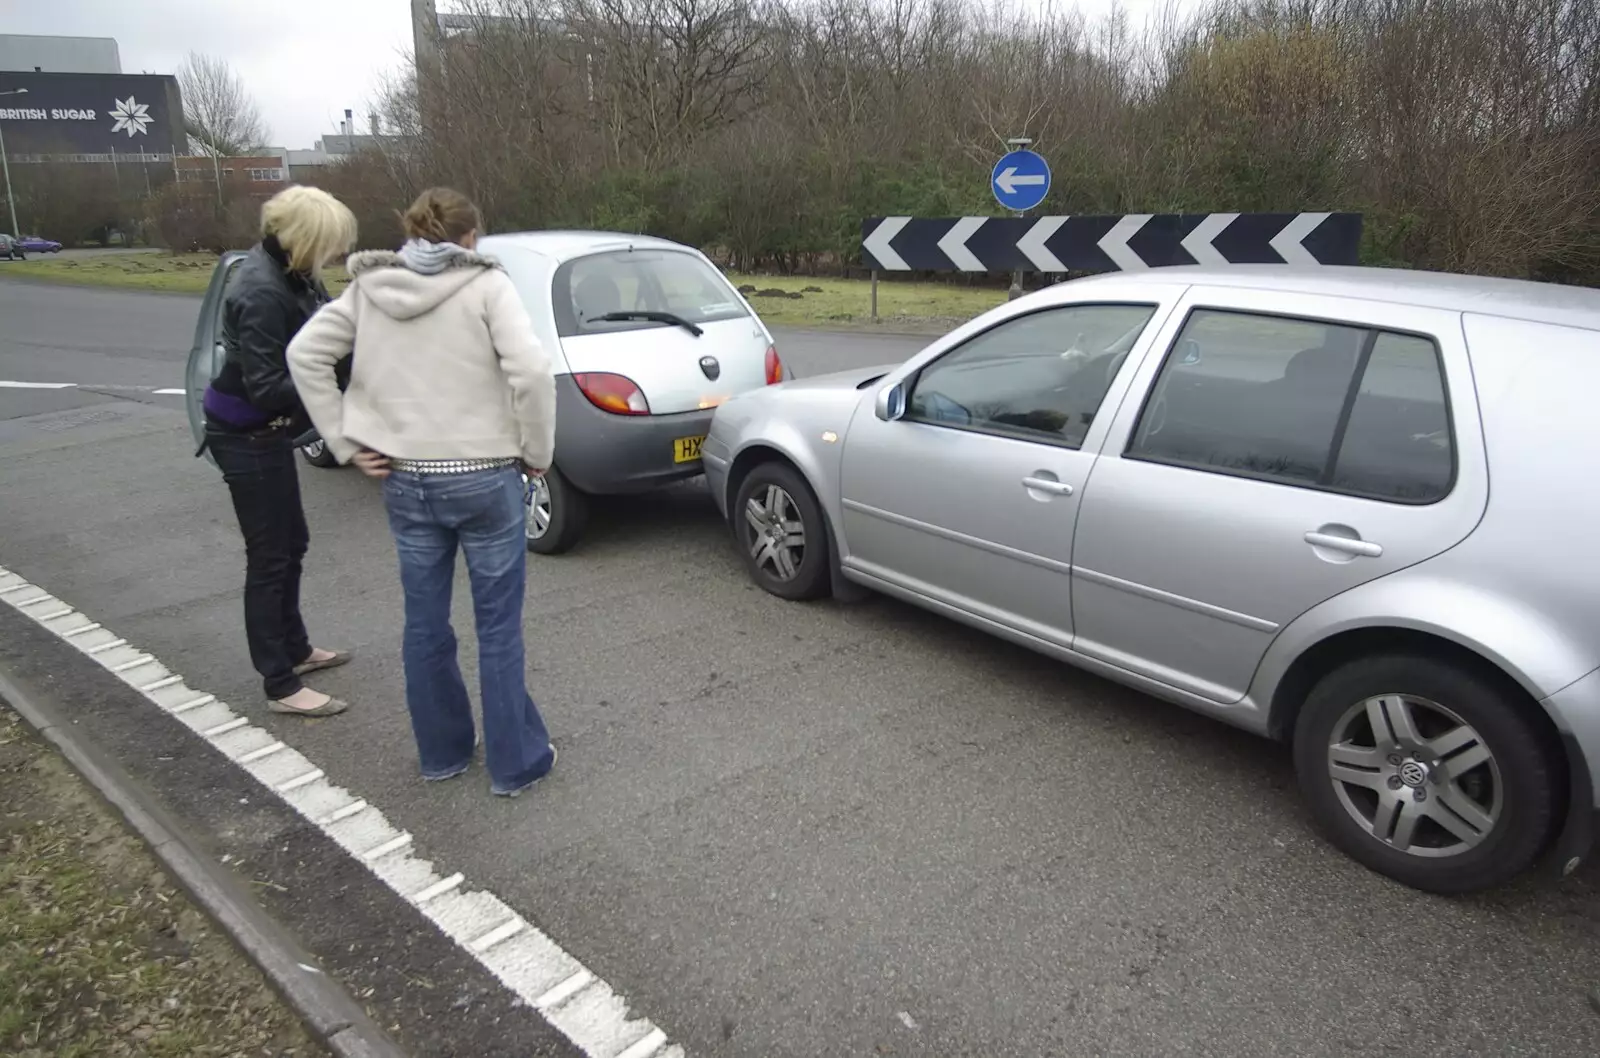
[614,393]
[774,366]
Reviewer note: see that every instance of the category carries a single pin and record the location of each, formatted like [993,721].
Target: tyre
[1424,771]
[781,533]
[316,453]
[557,513]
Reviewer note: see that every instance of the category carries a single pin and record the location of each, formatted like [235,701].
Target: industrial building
[67,99]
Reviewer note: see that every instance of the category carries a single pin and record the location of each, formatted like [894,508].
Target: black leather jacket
[265,304]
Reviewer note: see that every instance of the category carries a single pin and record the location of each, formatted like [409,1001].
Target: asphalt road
[797,830]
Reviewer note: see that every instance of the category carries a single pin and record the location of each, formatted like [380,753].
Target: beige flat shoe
[340,657]
[331,707]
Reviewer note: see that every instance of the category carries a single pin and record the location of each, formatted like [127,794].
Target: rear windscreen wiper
[653,317]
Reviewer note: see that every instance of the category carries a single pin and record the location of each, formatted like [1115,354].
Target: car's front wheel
[1424,771]
[782,536]
[557,512]
[316,453]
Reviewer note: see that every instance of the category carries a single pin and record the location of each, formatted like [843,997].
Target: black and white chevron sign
[1108,243]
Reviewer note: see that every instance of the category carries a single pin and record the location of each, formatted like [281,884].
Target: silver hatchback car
[1261,493]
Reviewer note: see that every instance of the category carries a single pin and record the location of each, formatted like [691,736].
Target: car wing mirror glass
[890,403]
[1190,352]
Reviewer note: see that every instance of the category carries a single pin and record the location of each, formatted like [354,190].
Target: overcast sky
[305,61]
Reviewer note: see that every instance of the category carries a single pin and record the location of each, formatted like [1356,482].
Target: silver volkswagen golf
[1352,509]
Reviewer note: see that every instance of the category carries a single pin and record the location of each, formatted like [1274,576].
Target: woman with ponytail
[451,400]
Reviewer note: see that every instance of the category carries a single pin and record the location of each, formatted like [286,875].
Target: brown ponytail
[441,214]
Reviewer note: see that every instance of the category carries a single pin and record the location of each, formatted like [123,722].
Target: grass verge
[101,956]
[781,302]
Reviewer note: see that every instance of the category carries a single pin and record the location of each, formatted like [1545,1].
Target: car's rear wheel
[557,512]
[316,453]
[1424,771]
[781,533]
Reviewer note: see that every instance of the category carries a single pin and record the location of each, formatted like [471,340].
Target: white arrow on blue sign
[1021,180]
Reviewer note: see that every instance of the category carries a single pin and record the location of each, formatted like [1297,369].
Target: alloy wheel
[315,449]
[538,505]
[1415,776]
[775,534]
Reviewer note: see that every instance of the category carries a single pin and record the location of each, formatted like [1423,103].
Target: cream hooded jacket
[446,365]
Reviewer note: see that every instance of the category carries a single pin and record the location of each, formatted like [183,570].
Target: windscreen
[588,289]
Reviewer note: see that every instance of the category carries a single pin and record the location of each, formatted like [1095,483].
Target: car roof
[565,245]
[1514,298]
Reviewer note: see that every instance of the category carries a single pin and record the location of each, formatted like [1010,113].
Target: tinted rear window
[589,288]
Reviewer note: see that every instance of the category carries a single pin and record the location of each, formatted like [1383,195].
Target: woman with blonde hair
[451,400]
[253,415]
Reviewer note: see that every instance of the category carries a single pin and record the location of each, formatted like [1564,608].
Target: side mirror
[1191,352]
[891,402]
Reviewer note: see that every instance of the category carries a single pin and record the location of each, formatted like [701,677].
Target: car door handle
[1364,548]
[1059,488]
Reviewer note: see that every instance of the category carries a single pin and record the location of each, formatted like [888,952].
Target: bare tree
[220,115]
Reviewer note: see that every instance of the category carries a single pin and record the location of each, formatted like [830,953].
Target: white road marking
[646,1047]
[115,387]
[439,888]
[344,813]
[498,934]
[222,729]
[392,845]
[565,990]
[303,780]
[262,753]
[204,699]
[569,996]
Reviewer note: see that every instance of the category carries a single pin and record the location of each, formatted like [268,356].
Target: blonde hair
[441,214]
[311,225]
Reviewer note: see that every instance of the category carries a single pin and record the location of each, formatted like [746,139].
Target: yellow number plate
[686,449]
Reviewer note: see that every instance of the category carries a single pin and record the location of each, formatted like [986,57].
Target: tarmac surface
[787,829]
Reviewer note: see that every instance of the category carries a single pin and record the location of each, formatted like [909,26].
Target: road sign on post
[1020,180]
[1122,242]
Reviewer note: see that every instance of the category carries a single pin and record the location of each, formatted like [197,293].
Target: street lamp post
[6,165]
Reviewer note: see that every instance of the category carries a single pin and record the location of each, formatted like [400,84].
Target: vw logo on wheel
[1413,773]
[711,367]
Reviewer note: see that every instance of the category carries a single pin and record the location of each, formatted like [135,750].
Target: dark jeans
[482,513]
[260,472]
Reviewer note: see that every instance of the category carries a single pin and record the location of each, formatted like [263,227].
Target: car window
[1275,398]
[1398,444]
[1039,377]
[588,288]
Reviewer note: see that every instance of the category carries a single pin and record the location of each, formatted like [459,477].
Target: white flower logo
[135,117]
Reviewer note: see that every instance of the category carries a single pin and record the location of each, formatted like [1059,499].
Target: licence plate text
[687,449]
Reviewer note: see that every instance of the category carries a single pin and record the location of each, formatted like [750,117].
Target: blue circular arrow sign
[1020,180]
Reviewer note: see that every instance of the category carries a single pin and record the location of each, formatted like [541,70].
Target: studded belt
[450,466]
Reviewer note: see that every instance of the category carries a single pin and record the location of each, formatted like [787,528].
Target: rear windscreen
[589,288]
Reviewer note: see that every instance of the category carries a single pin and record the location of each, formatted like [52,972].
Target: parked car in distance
[11,249]
[1262,493]
[34,244]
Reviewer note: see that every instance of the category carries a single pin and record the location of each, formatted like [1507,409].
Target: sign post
[6,164]
[1020,181]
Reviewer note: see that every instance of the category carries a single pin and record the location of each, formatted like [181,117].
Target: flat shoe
[331,707]
[340,657]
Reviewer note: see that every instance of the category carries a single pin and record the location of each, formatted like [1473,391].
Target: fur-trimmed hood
[401,294]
